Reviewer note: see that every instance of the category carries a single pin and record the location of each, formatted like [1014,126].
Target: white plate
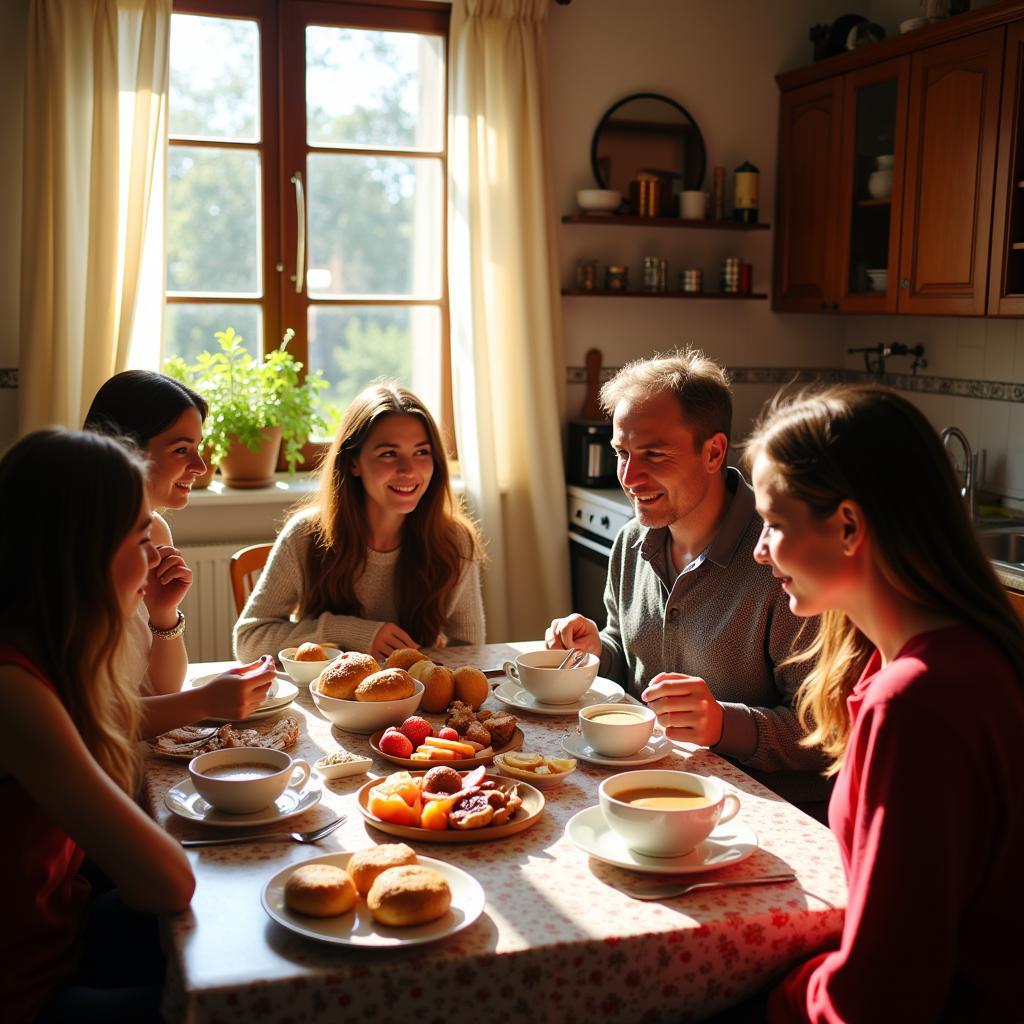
[727,845]
[284,692]
[576,746]
[184,801]
[603,691]
[358,928]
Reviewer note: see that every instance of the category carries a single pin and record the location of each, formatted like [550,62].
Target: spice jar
[645,194]
[586,275]
[616,279]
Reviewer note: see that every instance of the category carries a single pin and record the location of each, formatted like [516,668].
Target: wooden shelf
[874,202]
[663,295]
[619,220]
[1017,246]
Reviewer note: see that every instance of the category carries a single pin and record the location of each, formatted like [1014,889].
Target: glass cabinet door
[874,129]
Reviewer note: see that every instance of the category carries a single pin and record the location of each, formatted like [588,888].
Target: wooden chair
[246,565]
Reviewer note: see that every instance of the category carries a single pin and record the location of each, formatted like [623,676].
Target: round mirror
[648,132]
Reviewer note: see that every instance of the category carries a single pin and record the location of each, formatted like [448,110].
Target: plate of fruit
[444,805]
[418,744]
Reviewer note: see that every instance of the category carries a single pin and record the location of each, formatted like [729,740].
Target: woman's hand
[168,583]
[686,708]
[238,692]
[388,638]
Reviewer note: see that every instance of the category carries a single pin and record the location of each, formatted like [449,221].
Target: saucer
[727,845]
[185,802]
[282,692]
[576,746]
[602,691]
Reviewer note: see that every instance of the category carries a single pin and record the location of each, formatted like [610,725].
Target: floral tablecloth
[558,941]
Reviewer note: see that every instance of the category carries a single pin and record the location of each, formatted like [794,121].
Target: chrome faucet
[969,472]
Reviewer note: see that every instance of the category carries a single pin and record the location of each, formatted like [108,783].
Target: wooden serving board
[515,743]
[526,816]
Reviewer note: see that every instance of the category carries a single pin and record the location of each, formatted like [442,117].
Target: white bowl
[366,716]
[303,672]
[879,280]
[540,781]
[598,200]
[357,766]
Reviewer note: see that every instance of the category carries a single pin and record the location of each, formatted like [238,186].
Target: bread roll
[471,686]
[405,896]
[404,657]
[319,890]
[420,667]
[439,688]
[365,865]
[388,684]
[309,652]
[343,675]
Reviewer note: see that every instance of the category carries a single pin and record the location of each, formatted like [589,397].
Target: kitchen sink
[1003,543]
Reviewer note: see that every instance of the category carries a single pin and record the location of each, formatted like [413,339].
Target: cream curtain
[507,359]
[95,130]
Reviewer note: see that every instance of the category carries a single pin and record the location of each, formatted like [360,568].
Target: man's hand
[573,631]
[685,708]
[390,638]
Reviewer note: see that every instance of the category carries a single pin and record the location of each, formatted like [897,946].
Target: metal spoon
[312,836]
[569,655]
[666,890]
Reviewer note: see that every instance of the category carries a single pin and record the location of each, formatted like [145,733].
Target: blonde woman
[382,558]
[68,761]
[917,696]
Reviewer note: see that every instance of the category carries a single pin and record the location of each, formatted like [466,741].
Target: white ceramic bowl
[879,280]
[357,766]
[538,673]
[540,781]
[598,200]
[303,672]
[626,729]
[366,716]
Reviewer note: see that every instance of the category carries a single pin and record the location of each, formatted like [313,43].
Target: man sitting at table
[695,626]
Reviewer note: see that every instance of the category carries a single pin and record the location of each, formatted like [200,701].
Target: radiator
[209,606]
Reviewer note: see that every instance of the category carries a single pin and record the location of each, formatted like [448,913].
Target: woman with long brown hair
[917,696]
[382,558]
[68,761]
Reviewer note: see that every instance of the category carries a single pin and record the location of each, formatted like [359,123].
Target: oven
[595,517]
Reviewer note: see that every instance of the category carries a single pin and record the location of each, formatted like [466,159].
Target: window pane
[374,226]
[213,220]
[189,327]
[354,345]
[379,89]
[214,78]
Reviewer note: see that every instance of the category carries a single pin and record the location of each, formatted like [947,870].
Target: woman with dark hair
[69,764]
[163,418]
[917,696]
[382,558]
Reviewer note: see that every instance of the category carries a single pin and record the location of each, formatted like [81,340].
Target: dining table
[559,937]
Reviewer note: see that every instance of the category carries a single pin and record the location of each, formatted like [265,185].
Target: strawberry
[396,744]
[447,733]
[417,729]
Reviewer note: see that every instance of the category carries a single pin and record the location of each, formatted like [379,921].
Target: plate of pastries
[444,805]
[386,895]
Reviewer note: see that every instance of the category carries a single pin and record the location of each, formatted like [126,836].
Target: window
[306,187]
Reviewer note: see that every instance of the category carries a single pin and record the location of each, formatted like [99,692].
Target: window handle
[300,232]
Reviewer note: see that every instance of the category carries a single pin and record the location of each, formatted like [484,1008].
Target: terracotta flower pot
[312,453]
[245,469]
[206,479]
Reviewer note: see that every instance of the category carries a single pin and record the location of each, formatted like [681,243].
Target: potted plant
[256,407]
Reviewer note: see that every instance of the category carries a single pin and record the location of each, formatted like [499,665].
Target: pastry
[309,652]
[365,865]
[387,684]
[439,688]
[404,657]
[411,895]
[319,890]
[471,686]
[343,675]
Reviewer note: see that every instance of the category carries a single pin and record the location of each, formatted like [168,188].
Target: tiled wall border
[993,390]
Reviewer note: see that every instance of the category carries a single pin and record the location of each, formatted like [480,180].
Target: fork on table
[314,835]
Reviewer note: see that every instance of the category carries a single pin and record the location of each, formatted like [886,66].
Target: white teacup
[650,824]
[617,730]
[538,673]
[693,205]
[241,780]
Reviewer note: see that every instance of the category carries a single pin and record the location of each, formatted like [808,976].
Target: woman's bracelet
[169,634]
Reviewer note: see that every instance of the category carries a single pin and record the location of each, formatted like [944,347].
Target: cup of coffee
[662,813]
[693,205]
[617,730]
[241,780]
[538,673]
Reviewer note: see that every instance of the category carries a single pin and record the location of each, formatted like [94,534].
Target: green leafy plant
[246,394]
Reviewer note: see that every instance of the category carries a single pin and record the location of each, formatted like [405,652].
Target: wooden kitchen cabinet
[805,233]
[931,114]
[952,134]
